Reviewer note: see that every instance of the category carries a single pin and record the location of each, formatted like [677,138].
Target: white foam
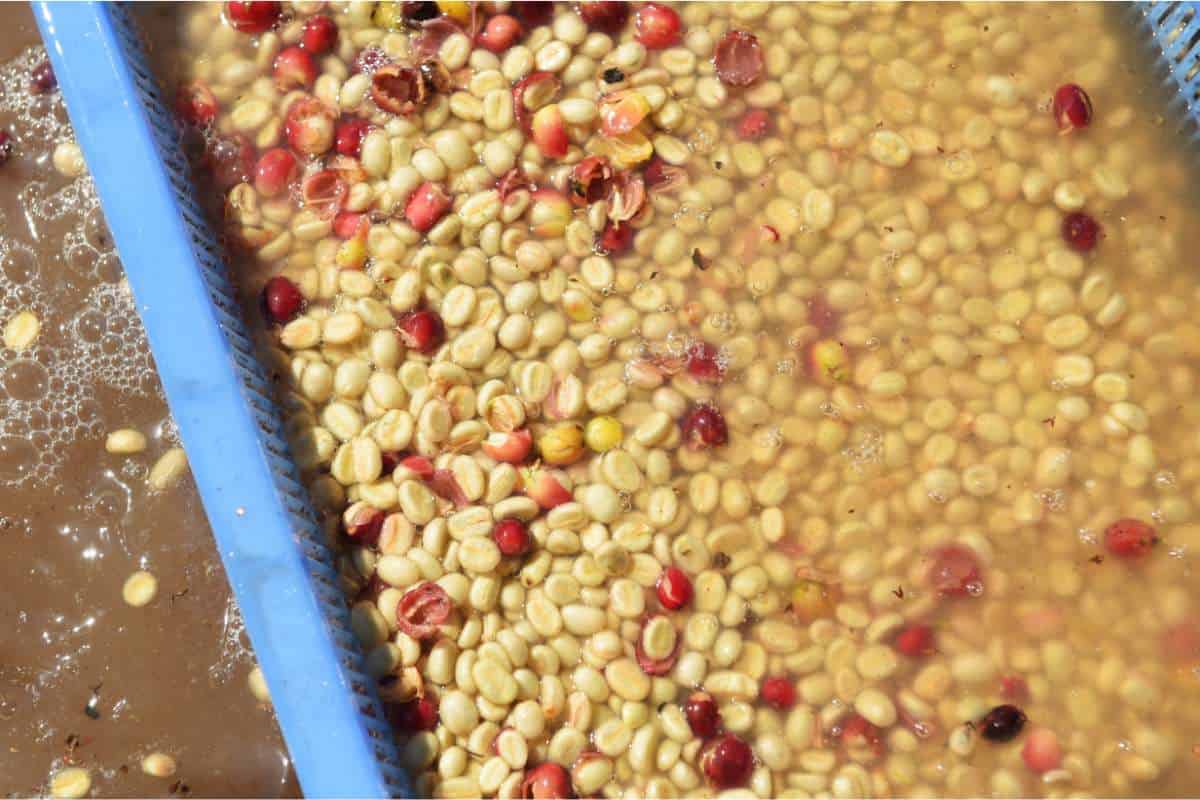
[91,335]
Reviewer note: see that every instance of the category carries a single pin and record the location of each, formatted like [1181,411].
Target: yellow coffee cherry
[562,444]
[829,361]
[812,600]
[388,15]
[352,253]
[578,306]
[603,433]
[456,10]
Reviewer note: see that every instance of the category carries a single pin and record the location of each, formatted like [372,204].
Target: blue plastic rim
[266,532]
[1172,30]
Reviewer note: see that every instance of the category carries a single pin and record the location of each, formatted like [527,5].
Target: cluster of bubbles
[1054,500]
[38,119]
[58,261]
[769,437]
[866,450]
[235,649]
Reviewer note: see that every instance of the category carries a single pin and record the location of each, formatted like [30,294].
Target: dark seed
[419,12]
[42,78]
[613,75]
[1002,724]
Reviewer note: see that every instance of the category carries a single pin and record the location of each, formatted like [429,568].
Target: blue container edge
[320,705]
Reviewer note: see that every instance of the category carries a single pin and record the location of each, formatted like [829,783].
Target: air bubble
[95,230]
[1164,479]
[18,263]
[16,457]
[770,438]
[234,647]
[868,450]
[47,395]
[108,269]
[1053,499]
[723,321]
[25,380]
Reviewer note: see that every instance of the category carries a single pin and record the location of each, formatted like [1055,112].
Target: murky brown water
[1087,635]
[75,521]
[918,414]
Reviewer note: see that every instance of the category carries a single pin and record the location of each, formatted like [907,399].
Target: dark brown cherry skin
[533,13]
[416,715]
[1080,231]
[616,240]
[282,300]
[363,523]
[703,427]
[417,11]
[195,104]
[1072,108]
[703,716]
[1002,724]
[231,160]
[605,16]
[727,762]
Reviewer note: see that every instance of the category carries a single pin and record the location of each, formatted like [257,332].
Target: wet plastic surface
[274,553]
[75,521]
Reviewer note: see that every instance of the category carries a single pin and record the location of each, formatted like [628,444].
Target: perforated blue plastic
[1172,32]
[272,547]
